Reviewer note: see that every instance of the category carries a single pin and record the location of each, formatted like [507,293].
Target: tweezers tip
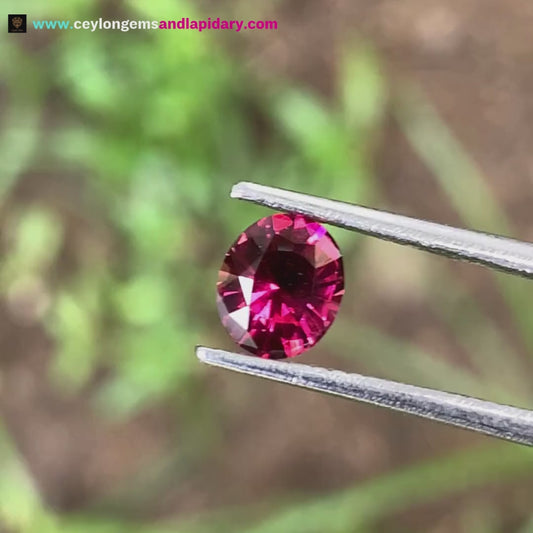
[243,190]
[220,358]
[203,354]
[237,189]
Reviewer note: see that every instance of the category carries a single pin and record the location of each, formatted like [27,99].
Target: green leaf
[73,325]
[35,236]
[144,300]
[151,361]
[316,132]
[362,89]
[19,499]
[18,141]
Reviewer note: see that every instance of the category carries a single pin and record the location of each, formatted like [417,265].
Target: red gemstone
[280,286]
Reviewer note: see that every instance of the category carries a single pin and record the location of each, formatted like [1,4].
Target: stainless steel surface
[503,421]
[491,250]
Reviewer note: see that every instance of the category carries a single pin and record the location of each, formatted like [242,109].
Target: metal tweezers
[500,253]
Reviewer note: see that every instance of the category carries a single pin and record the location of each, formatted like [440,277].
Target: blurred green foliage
[159,126]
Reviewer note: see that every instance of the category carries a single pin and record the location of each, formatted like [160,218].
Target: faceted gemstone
[280,286]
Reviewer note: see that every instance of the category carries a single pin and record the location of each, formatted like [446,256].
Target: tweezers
[504,421]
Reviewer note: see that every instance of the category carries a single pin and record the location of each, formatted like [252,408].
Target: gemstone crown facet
[280,286]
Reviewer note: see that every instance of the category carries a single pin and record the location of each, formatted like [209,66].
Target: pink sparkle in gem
[280,286]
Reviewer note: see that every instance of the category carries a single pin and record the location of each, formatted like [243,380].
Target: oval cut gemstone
[280,286]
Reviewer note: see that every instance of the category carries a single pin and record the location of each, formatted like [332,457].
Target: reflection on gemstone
[280,286]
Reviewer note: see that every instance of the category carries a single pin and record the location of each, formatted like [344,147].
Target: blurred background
[118,151]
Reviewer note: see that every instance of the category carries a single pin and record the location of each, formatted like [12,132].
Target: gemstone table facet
[280,286]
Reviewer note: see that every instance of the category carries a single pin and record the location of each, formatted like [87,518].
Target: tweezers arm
[503,421]
[494,251]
